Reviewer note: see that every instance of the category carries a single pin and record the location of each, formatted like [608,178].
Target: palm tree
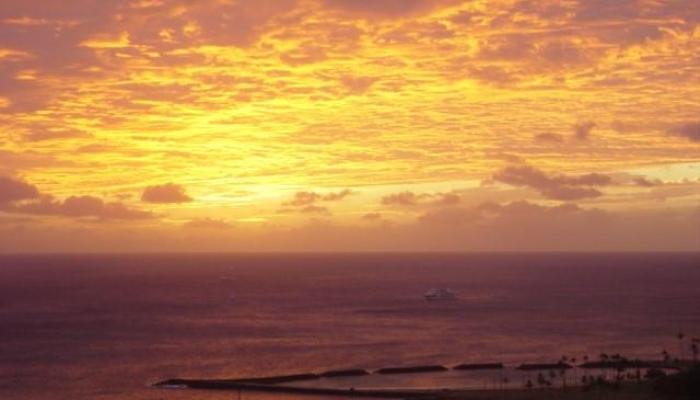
[562,371]
[666,356]
[562,374]
[680,337]
[604,358]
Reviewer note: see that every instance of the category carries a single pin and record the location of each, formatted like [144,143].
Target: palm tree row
[694,344]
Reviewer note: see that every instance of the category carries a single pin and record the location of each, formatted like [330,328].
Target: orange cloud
[582,130]
[167,193]
[13,190]
[402,199]
[557,187]
[386,8]
[690,131]
[80,206]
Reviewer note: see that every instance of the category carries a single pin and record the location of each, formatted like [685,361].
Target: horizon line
[351,252]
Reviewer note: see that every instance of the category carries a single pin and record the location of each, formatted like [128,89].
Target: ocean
[107,326]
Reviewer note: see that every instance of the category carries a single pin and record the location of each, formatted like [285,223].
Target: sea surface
[106,326]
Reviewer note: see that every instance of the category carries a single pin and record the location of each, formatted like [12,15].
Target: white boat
[440,294]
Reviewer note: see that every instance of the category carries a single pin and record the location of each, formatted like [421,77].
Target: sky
[349,125]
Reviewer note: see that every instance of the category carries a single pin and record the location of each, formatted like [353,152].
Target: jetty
[536,367]
[344,372]
[478,367]
[412,370]
[289,383]
[248,384]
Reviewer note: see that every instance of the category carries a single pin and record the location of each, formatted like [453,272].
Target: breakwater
[246,384]
[287,383]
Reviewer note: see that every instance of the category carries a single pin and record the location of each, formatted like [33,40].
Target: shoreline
[284,383]
[626,391]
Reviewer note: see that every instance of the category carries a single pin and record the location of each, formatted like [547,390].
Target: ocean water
[105,326]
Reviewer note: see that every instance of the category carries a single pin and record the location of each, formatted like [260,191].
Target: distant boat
[169,386]
[440,294]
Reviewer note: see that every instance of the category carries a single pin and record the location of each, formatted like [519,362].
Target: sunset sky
[344,125]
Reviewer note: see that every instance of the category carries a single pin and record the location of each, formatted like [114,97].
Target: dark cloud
[582,130]
[690,131]
[80,206]
[167,193]
[23,198]
[556,187]
[15,190]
